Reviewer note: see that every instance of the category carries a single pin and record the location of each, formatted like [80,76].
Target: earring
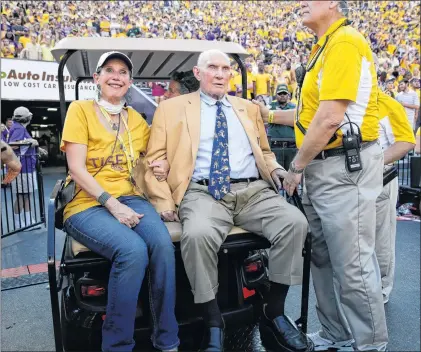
[98,91]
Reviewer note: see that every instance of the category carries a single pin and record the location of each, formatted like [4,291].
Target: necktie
[219,176]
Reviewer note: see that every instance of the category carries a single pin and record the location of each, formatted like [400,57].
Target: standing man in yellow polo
[343,176]
[397,139]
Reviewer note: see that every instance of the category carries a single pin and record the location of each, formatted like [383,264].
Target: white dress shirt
[241,158]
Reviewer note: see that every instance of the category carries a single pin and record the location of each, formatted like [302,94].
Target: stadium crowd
[270,31]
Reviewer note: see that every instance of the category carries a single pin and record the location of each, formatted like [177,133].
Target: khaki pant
[341,208]
[255,207]
[386,234]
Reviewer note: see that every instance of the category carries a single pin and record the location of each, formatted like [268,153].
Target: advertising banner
[37,80]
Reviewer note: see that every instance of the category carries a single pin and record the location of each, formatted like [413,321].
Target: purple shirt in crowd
[26,154]
[5,135]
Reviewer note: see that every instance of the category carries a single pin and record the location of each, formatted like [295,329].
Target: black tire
[74,338]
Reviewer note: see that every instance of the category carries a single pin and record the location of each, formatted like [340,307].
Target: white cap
[114,55]
[21,111]
[22,114]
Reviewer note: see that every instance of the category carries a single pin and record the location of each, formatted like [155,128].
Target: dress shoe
[213,340]
[281,333]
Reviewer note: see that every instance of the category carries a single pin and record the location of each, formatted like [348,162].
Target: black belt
[340,151]
[205,182]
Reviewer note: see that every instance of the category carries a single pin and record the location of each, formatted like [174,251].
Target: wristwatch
[102,199]
[294,170]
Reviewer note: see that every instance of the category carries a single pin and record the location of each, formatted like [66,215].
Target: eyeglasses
[282,93]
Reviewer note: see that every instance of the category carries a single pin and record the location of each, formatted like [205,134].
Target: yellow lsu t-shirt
[343,71]
[82,126]
[394,125]
[262,80]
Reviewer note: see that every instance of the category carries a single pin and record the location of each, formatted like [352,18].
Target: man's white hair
[206,56]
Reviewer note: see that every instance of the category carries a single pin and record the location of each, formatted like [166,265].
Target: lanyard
[129,155]
[310,65]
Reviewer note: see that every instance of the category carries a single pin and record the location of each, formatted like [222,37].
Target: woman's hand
[160,169]
[123,213]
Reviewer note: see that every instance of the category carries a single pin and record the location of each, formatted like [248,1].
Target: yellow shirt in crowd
[262,80]
[82,126]
[105,26]
[344,70]
[231,82]
[250,78]
[394,124]
[24,40]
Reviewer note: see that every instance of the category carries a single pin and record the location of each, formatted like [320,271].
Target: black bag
[64,196]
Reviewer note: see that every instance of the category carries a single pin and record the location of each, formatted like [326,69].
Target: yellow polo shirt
[344,70]
[394,125]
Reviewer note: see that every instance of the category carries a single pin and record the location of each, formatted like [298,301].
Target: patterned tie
[219,177]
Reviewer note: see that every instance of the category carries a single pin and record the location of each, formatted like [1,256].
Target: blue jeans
[131,252]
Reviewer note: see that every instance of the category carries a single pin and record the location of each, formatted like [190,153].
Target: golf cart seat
[236,237]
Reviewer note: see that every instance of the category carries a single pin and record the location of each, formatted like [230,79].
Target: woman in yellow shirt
[102,139]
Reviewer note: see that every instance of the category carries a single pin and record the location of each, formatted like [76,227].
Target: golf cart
[78,282]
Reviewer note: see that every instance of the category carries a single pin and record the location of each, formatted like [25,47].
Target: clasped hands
[286,180]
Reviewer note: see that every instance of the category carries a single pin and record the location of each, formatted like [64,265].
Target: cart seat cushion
[174,228]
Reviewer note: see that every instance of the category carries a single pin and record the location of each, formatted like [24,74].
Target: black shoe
[281,333]
[213,340]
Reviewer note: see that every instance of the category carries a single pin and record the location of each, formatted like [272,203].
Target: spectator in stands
[281,103]
[263,81]
[25,39]
[5,129]
[32,50]
[409,100]
[109,204]
[26,184]
[134,31]
[181,83]
[251,82]
[46,47]
[6,52]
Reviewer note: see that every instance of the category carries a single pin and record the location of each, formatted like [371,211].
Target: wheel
[74,338]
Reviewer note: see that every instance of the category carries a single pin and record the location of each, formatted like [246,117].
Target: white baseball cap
[22,114]
[114,55]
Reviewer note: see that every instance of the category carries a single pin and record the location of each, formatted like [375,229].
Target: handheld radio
[352,145]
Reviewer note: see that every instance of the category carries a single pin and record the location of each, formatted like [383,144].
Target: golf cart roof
[152,58]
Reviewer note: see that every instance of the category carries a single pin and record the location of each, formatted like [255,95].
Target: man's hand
[264,111]
[13,170]
[291,181]
[161,169]
[277,176]
[170,216]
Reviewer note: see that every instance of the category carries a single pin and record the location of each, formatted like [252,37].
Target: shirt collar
[334,26]
[211,101]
